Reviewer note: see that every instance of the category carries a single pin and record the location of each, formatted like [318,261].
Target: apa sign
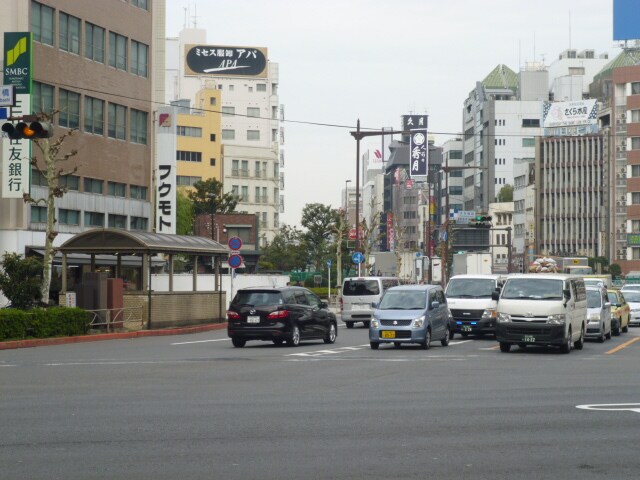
[222,60]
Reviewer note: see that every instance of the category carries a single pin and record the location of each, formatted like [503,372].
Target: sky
[376,60]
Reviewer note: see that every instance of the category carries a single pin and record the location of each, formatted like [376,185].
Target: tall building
[93,62]
[251,131]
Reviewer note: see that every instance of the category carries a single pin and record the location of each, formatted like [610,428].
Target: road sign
[329,263]
[357,258]
[235,260]
[352,234]
[235,243]
[464,216]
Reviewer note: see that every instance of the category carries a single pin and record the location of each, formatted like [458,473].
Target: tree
[185,213]
[52,173]
[320,221]
[209,197]
[285,252]
[371,234]
[20,280]
[505,194]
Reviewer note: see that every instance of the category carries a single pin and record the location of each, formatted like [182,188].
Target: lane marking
[495,347]
[624,345]
[117,362]
[202,341]
[612,407]
[318,353]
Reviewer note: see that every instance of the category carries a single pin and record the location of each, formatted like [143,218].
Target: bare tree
[371,234]
[53,170]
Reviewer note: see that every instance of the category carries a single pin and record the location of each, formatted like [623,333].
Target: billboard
[625,19]
[225,61]
[569,114]
[418,153]
[166,183]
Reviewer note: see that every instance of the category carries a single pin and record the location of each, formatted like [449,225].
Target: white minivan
[542,309]
[360,296]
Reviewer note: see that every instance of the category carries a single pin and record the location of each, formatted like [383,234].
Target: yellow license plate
[389,334]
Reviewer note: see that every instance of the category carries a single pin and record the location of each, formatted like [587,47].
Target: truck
[472,263]
[570,265]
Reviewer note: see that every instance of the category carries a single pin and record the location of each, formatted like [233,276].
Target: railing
[130,318]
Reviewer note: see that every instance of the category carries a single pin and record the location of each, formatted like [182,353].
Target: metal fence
[128,318]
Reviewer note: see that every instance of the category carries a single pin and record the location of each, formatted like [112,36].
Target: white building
[571,74]
[252,134]
[501,235]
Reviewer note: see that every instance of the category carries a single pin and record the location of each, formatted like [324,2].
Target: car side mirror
[324,304]
[495,295]
[435,304]
[607,304]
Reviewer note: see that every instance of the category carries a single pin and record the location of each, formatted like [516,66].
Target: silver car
[598,314]
[411,314]
[633,299]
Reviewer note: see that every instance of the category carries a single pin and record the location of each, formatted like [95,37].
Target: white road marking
[202,341]
[116,362]
[612,407]
[318,353]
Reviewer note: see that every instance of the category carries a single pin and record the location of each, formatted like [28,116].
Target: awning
[85,259]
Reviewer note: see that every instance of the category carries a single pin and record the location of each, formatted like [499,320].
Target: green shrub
[43,323]
[13,324]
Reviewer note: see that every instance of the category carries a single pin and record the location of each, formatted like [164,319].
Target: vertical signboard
[418,154]
[625,19]
[166,170]
[16,154]
[391,239]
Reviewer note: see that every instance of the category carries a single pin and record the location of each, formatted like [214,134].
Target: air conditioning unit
[618,203]
[623,116]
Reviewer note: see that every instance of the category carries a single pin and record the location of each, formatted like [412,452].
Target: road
[194,407]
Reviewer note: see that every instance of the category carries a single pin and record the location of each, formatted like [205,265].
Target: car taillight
[279,314]
[233,315]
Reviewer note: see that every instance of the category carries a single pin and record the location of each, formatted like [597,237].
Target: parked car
[359,295]
[411,314]
[631,287]
[598,314]
[620,311]
[280,314]
[633,299]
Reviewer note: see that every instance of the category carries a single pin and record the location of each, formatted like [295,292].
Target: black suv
[280,314]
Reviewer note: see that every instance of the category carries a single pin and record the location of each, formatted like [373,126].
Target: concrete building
[94,62]
[501,236]
[572,72]
[524,192]
[251,132]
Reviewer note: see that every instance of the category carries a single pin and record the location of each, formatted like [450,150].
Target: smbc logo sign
[17,60]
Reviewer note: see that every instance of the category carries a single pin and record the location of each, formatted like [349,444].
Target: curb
[39,342]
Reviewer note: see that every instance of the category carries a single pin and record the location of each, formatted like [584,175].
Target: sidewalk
[37,342]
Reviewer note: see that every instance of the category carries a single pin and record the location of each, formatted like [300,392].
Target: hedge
[43,323]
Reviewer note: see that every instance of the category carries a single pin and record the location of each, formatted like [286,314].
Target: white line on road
[202,341]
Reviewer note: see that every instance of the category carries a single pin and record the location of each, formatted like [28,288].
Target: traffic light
[483,221]
[28,131]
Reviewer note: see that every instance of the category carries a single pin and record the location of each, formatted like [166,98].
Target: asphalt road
[194,407]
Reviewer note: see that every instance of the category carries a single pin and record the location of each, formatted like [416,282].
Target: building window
[138,223]
[42,23]
[228,134]
[69,33]
[235,168]
[228,111]
[213,101]
[635,88]
[186,156]
[635,198]
[41,98]
[70,182]
[635,226]
[212,137]
[117,221]
[264,223]
[212,162]
[117,51]
[93,185]
[253,134]
[635,143]
[455,190]
[94,42]
[144,4]
[635,170]
[258,199]
[117,121]
[94,115]
[261,87]
[244,196]
[528,142]
[38,214]
[576,70]
[116,189]
[189,131]
[68,217]
[635,116]
[38,179]
[139,59]
[137,192]
[253,112]
[139,121]
[244,168]
[69,109]
[186,181]
[93,219]
[530,122]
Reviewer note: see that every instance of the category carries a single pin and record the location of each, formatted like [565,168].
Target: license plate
[466,328]
[528,339]
[253,319]
[389,334]
[358,306]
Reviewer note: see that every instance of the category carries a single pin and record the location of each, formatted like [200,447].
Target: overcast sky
[375,60]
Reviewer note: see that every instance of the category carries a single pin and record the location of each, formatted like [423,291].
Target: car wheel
[451,334]
[277,341]
[566,347]
[444,341]
[374,345]
[427,340]
[366,324]
[617,330]
[608,335]
[294,341]
[625,329]
[331,334]
[505,347]
[238,342]
[578,344]
[397,344]
[349,324]
[601,337]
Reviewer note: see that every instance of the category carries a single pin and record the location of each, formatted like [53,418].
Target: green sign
[18,61]
[633,239]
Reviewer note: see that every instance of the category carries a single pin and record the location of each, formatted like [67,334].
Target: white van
[473,310]
[360,295]
[542,309]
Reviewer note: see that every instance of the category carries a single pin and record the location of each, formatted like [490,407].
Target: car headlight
[375,323]
[504,318]
[418,322]
[489,313]
[559,319]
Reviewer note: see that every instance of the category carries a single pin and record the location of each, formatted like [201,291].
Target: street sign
[235,260]
[357,258]
[235,243]
[464,216]
[329,263]
[352,234]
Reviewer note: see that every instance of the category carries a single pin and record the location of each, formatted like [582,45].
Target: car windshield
[471,287]
[361,287]
[594,299]
[632,296]
[535,289]
[404,300]
[613,298]
[258,298]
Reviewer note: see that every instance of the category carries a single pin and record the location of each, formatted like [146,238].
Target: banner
[166,170]
[566,114]
[418,152]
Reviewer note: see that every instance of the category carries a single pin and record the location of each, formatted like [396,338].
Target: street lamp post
[346,199]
